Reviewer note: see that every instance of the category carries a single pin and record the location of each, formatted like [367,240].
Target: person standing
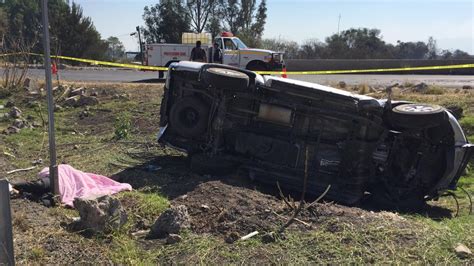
[217,57]
[198,54]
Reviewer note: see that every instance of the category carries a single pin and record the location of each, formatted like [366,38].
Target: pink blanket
[77,184]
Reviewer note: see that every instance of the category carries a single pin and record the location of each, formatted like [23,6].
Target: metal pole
[140,43]
[6,233]
[53,168]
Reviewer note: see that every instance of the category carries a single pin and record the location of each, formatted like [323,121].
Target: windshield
[239,43]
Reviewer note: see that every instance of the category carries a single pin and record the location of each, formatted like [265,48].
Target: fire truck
[233,50]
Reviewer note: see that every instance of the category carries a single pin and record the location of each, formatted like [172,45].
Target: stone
[78,91]
[421,88]
[2,107]
[269,238]
[71,101]
[58,108]
[94,93]
[467,87]
[462,251]
[342,84]
[173,239]
[87,100]
[36,124]
[15,112]
[171,221]
[232,237]
[100,215]
[18,123]
[204,207]
[11,130]
[83,114]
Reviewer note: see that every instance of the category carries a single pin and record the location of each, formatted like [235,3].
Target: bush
[123,126]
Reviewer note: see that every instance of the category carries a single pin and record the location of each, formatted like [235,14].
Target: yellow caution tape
[319,72]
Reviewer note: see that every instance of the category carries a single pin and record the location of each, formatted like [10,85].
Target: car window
[229,44]
[219,42]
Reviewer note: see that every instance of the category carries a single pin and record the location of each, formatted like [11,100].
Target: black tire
[202,164]
[257,66]
[161,74]
[417,115]
[226,78]
[189,117]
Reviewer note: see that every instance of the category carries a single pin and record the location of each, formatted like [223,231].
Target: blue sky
[451,23]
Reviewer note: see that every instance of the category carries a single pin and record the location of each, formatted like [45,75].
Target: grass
[82,144]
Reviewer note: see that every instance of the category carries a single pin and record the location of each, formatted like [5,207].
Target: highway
[121,75]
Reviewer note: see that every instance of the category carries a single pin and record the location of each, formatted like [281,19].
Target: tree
[230,12]
[165,21]
[290,48]
[115,48]
[313,49]
[199,12]
[432,48]
[410,50]
[71,32]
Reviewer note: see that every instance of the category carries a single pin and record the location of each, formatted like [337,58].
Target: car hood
[259,50]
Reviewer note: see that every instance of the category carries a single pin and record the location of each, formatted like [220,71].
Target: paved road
[120,75]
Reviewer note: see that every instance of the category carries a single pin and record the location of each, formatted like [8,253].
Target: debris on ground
[342,84]
[462,251]
[99,215]
[171,221]
[31,86]
[420,88]
[467,87]
[15,112]
[173,239]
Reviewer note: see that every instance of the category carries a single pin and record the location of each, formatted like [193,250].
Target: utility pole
[140,43]
[53,168]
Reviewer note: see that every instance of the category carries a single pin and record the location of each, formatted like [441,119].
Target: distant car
[227,119]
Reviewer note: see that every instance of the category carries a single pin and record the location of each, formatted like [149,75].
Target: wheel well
[254,63]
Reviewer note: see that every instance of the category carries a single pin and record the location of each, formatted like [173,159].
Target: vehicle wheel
[189,117]
[257,66]
[417,115]
[161,74]
[202,164]
[226,78]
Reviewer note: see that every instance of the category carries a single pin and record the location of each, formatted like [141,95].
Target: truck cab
[236,53]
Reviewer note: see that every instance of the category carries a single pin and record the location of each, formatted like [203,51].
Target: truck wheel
[189,117]
[202,164]
[257,66]
[226,78]
[161,74]
[417,115]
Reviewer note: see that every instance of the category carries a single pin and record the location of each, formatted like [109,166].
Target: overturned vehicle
[228,119]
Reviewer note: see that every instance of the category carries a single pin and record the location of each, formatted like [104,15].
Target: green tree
[166,21]
[432,48]
[115,49]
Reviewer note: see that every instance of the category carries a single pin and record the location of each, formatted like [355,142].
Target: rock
[467,87]
[456,111]
[2,107]
[102,214]
[37,162]
[122,96]
[15,112]
[71,101]
[87,100]
[269,238]
[9,104]
[421,88]
[462,251]
[232,237]
[18,123]
[342,84]
[83,114]
[171,221]
[141,233]
[36,124]
[204,207]
[78,91]
[173,239]
[58,108]
[11,130]
[94,93]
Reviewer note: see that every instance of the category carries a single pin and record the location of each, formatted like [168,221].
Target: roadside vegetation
[117,139]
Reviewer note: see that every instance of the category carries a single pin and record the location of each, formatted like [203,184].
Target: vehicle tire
[417,115]
[189,117]
[161,74]
[226,78]
[257,66]
[202,164]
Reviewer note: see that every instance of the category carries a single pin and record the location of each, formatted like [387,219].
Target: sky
[450,22]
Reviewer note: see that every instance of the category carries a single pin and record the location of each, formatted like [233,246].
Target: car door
[230,54]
